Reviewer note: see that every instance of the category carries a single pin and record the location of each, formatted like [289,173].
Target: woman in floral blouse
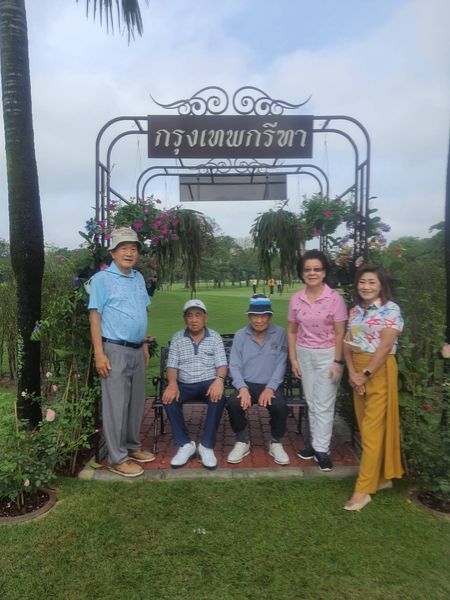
[369,349]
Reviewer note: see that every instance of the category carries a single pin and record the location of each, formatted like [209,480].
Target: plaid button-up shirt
[196,362]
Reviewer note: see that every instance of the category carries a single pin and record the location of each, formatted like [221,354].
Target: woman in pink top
[317,316]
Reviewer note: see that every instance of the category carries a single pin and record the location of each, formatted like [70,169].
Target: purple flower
[384,227]
[76,281]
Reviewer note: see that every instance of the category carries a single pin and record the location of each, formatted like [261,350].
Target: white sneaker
[184,453]
[278,453]
[208,457]
[240,450]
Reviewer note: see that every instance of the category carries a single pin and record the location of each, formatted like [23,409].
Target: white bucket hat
[124,234]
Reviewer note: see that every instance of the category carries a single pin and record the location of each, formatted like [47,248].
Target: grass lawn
[226,311]
[267,539]
[223,540]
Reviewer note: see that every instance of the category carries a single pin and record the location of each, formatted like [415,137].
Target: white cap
[123,234]
[194,304]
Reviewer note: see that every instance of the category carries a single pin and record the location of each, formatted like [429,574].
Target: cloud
[394,80]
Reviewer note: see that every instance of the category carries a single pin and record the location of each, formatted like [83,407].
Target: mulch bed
[434,503]
[9,508]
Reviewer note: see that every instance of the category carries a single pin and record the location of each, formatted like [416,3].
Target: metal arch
[215,169]
[361,185]
[245,100]
[168,174]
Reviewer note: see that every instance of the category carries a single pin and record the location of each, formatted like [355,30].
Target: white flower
[48,374]
[50,415]
[23,394]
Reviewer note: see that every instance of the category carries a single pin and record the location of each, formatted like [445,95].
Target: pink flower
[145,211]
[138,225]
[50,415]
[103,266]
[164,230]
[446,351]
[327,213]
[54,388]
[316,232]
[108,236]
[60,259]
[426,407]
[26,483]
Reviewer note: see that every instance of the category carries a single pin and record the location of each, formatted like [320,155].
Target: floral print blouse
[366,324]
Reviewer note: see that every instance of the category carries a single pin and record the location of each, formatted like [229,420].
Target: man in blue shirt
[196,369]
[118,303]
[257,367]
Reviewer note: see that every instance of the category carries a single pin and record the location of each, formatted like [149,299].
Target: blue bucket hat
[260,305]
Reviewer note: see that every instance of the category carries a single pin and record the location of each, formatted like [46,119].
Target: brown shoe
[142,456]
[127,469]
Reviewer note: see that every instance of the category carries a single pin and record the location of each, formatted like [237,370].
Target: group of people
[321,339]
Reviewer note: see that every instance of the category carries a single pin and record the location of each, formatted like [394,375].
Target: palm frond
[128,12]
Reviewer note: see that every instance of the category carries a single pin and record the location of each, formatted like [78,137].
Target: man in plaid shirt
[196,369]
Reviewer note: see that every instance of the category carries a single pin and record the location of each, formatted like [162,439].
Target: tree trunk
[25,219]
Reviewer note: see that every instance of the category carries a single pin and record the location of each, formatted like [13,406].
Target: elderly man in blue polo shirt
[118,303]
[196,368]
[257,367]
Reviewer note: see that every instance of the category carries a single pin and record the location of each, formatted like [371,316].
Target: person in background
[370,345]
[257,367]
[196,369]
[118,304]
[316,328]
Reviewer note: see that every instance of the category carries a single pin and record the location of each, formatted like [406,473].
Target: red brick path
[341,451]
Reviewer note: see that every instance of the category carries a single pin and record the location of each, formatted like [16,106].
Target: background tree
[25,218]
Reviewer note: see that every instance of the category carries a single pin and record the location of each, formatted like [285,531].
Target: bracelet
[339,362]
[220,377]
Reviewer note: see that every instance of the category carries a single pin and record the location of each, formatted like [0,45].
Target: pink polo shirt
[316,319]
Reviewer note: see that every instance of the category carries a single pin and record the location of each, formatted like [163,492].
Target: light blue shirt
[122,301]
[196,362]
[259,363]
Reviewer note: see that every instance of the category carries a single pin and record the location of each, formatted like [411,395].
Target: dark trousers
[278,410]
[195,392]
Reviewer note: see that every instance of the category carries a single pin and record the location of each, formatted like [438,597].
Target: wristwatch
[339,362]
[367,373]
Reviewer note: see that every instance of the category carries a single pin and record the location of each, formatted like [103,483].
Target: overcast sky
[383,62]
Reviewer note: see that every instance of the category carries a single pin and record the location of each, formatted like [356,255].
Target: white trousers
[320,393]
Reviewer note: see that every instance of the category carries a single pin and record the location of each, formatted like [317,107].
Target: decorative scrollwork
[227,166]
[214,100]
[210,100]
[246,101]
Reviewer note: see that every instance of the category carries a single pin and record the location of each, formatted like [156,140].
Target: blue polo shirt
[122,301]
[259,363]
[196,362]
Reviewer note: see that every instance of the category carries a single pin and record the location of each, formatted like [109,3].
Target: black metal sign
[228,136]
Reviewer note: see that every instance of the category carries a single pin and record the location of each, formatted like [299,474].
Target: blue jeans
[194,392]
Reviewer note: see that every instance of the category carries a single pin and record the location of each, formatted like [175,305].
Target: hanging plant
[278,234]
[168,237]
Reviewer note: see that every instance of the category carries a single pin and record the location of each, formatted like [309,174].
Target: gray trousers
[123,399]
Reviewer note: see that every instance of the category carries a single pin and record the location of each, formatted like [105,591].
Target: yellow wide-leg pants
[378,420]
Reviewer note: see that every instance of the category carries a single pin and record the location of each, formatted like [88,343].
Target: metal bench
[292,388]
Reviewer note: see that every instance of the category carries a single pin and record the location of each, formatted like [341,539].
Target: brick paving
[342,453]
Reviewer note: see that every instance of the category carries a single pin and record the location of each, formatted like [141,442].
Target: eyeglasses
[313,270]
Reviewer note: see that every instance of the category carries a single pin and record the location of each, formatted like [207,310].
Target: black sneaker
[306,453]
[324,461]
